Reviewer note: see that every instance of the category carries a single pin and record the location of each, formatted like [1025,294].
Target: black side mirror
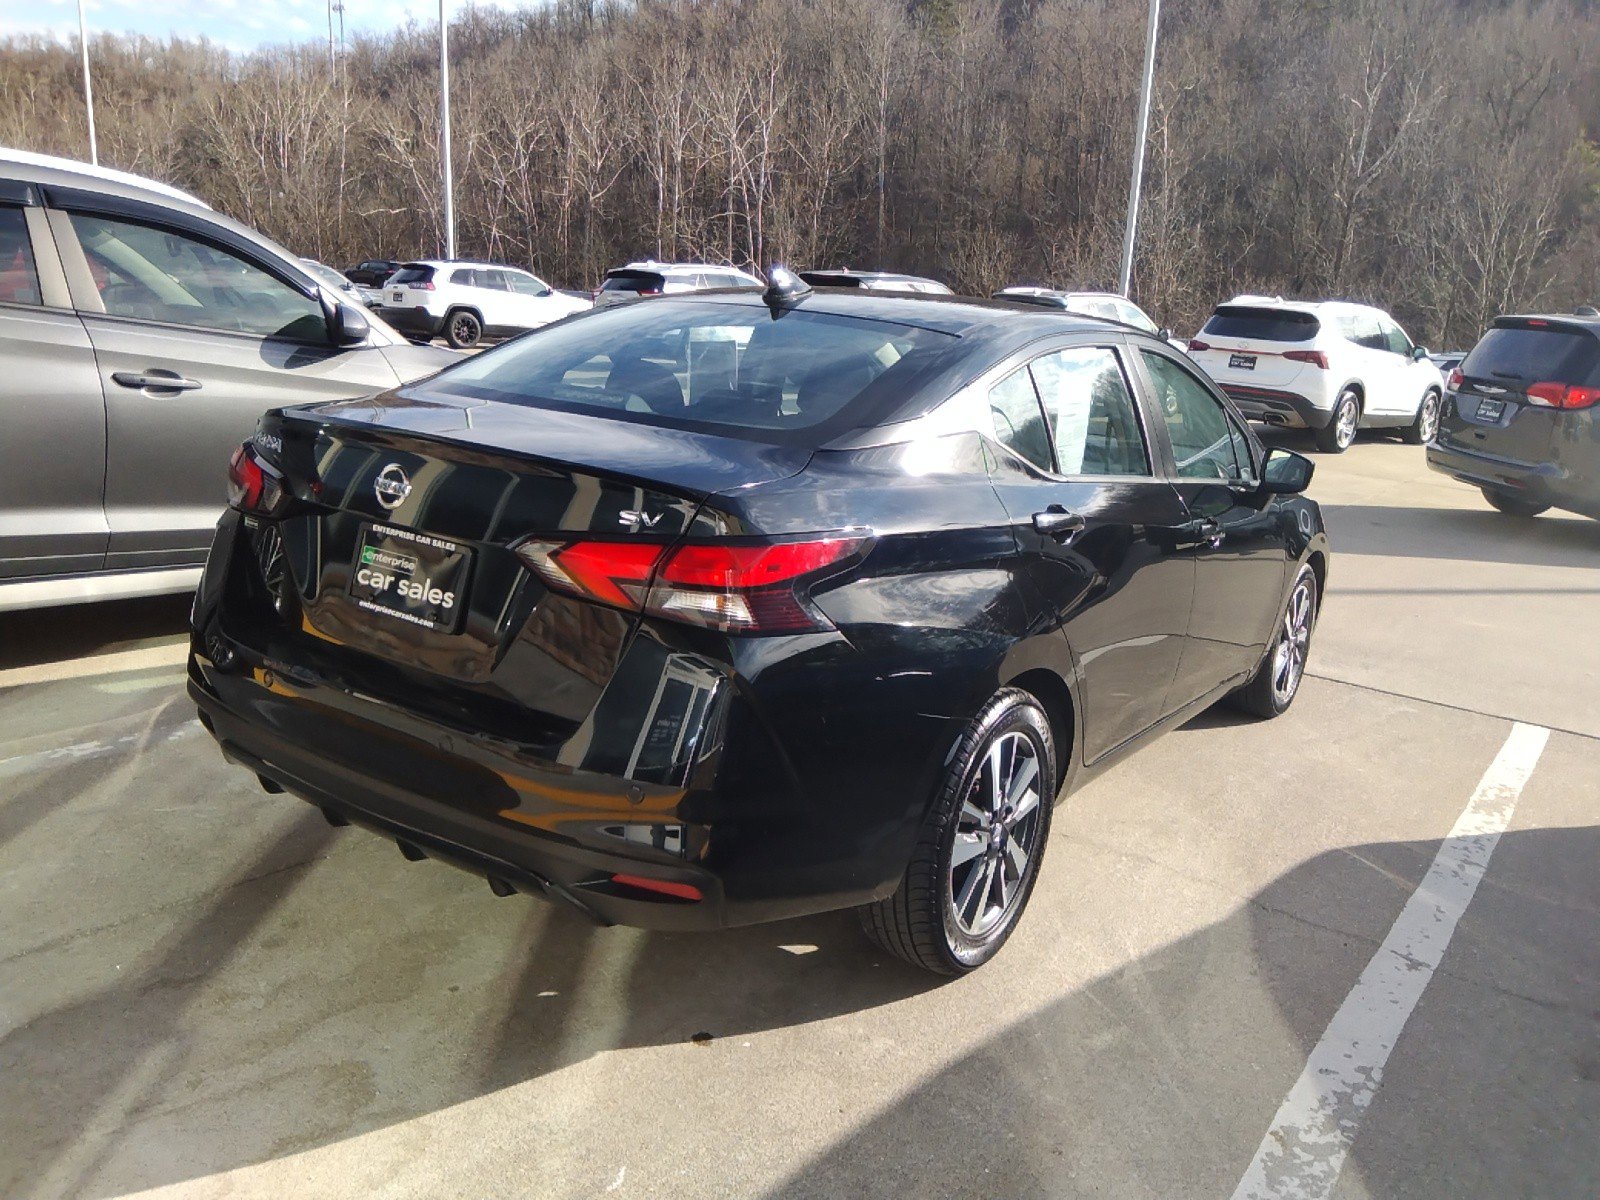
[1165,335]
[1285,473]
[347,325]
[1418,353]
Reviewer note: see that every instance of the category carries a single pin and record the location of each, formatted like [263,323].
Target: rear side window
[462,277]
[1262,324]
[633,281]
[1534,356]
[723,368]
[1093,424]
[19,278]
[160,275]
[1018,420]
[413,273]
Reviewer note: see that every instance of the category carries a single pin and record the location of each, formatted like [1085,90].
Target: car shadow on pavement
[1552,540]
[1161,1078]
[41,635]
[1156,1079]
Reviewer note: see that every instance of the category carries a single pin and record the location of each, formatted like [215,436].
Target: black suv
[1519,418]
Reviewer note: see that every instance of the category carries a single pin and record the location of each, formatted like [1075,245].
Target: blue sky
[237,24]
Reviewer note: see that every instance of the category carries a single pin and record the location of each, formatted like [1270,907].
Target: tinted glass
[413,273]
[1395,338]
[1135,316]
[1092,419]
[721,368]
[525,285]
[1262,324]
[158,275]
[1206,444]
[1534,356]
[19,278]
[1363,329]
[632,281]
[1018,419]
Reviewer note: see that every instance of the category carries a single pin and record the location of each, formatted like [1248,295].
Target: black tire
[1422,430]
[1513,506]
[1265,695]
[920,921]
[1336,436]
[462,329]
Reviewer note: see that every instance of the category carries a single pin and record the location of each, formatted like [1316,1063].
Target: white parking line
[1304,1149]
[77,751]
[142,659]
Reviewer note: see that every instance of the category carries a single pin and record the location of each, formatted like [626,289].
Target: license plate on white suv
[1241,362]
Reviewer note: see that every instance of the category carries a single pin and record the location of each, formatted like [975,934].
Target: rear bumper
[1544,483]
[418,322]
[1275,407]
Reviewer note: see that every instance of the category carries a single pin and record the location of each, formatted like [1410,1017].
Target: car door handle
[155,379]
[1058,522]
[1203,530]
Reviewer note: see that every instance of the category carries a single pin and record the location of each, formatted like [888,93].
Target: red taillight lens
[421,285]
[1315,357]
[734,587]
[1456,380]
[1197,344]
[1562,395]
[649,291]
[253,488]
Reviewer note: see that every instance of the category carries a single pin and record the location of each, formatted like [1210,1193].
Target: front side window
[1396,338]
[1094,426]
[1018,419]
[158,275]
[1206,442]
[525,285]
[19,278]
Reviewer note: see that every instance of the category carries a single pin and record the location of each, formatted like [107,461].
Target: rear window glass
[632,281]
[730,369]
[1533,355]
[1262,324]
[412,273]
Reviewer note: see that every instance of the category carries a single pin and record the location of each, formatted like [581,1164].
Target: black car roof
[961,316]
[1572,322]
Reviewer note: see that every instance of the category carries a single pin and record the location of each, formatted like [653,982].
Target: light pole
[444,134]
[1125,279]
[88,90]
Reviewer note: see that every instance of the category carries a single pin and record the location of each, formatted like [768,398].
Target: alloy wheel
[1294,639]
[1348,417]
[1428,422]
[997,833]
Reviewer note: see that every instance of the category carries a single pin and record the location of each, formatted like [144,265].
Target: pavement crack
[1460,708]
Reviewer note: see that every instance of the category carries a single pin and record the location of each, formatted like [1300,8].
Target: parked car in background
[650,278]
[466,302]
[1521,418]
[373,273]
[732,607]
[1107,305]
[328,277]
[874,281]
[1328,366]
[1447,361]
[143,335]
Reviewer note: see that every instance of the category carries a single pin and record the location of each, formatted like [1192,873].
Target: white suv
[651,278]
[1327,366]
[468,301]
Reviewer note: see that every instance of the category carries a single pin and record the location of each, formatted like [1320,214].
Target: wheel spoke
[1026,803]
[968,846]
[994,766]
[971,812]
[975,893]
[1017,857]
[1022,779]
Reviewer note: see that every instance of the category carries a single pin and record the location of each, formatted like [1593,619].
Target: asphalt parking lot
[206,991]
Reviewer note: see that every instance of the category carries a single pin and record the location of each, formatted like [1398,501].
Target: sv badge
[636,520]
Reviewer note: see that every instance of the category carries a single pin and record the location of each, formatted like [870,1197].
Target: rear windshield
[632,281]
[1533,356]
[1262,324]
[737,370]
[412,273]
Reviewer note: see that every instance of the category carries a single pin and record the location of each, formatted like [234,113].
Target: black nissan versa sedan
[737,606]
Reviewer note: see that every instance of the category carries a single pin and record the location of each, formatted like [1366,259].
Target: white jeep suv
[468,301]
[1328,366]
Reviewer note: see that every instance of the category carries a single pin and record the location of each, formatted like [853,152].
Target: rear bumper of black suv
[1540,483]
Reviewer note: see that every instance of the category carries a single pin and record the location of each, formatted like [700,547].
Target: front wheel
[978,853]
[1513,506]
[1335,437]
[1277,680]
[1421,431]
[463,330]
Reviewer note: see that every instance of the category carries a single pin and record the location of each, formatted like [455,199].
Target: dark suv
[1519,418]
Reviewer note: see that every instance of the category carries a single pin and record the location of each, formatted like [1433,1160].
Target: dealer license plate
[402,575]
[1242,362]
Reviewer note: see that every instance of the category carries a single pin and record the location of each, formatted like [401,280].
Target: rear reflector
[1562,395]
[1197,344]
[737,587]
[1315,357]
[666,887]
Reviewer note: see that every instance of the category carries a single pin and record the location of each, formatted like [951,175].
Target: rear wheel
[1335,437]
[1277,680]
[978,853]
[462,329]
[1513,506]
[1426,425]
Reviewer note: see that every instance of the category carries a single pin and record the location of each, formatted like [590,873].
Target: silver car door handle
[155,380]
